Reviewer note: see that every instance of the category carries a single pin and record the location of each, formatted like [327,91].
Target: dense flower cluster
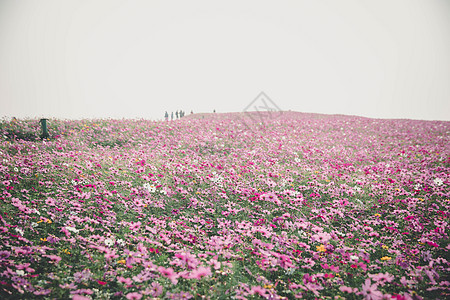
[226,206]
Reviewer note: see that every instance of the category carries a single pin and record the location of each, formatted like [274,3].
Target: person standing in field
[172,116]
[166,116]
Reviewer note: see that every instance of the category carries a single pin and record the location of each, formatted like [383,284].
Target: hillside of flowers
[225,206]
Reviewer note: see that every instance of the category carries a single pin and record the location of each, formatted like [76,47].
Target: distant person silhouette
[172,116]
[166,116]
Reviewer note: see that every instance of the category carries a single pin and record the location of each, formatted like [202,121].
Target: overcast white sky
[132,59]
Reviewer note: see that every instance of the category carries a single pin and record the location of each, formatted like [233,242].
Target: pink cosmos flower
[66,232]
[50,201]
[322,237]
[68,286]
[187,259]
[156,289]
[123,280]
[215,264]
[135,226]
[347,289]
[110,255]
[42,292]
[82,291]
[79,297]
[343,202]
[381,278]
[258,290]
[200,272]
[169,273]
[370,292]
[271,197]
[134,296]
[54,258]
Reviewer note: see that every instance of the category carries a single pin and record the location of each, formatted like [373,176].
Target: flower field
[222,206]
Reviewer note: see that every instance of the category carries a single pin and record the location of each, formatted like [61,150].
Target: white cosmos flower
[340,233]
[302,234]
[438,181]
[354,257]
[109,242]
[150,188]
[290,271]
[72,229]
[217,179]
